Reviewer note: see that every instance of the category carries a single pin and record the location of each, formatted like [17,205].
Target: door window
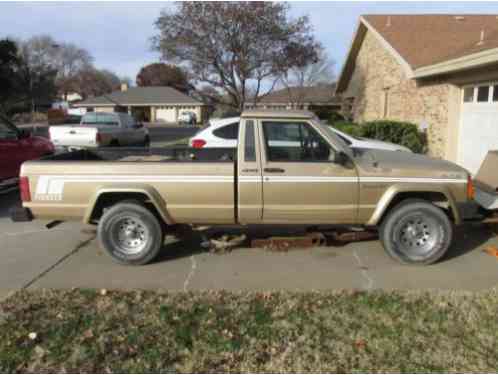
[294,142]
[228,132]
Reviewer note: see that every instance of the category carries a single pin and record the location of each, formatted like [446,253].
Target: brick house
[438,71]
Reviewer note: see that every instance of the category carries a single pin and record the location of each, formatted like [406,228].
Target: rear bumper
[20,214]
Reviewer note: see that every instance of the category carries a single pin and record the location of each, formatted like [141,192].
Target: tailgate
[73,136]
[486,182]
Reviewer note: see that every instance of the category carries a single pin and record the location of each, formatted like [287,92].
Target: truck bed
[137,154]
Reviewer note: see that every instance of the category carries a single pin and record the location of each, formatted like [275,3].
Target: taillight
[471,191]
[198,143]
[24,189]
[98,138]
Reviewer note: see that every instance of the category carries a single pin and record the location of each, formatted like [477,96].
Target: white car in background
[223,133]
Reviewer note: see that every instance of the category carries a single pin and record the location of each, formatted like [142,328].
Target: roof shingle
[428,39]
[311,94]
[150,95]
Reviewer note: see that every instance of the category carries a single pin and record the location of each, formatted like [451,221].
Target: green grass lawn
[87,331]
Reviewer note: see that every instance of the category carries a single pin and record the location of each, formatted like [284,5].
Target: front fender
[394,190]
[151,193]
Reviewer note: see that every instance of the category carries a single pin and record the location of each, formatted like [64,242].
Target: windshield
[338,142]
[99,119]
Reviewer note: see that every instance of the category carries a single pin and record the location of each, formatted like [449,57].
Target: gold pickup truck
[288,169]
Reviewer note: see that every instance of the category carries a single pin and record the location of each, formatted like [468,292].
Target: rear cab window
[96,118]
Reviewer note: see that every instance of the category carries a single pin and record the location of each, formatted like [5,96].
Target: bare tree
[319,72]
[235,45]
[94,82]
[66,59]
[70,60]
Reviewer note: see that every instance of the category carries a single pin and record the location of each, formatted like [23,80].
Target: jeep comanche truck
[288,169]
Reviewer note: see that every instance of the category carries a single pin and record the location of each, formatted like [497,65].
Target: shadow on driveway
[468,238]
[7,201]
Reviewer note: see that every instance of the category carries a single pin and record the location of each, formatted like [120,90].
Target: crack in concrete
[364,272]
[78,247]
[190,274]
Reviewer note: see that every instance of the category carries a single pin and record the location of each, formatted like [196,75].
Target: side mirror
[339,158]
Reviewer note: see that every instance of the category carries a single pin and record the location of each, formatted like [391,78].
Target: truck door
[301,182]
[249,193]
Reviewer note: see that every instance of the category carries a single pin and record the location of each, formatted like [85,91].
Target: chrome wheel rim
[417,235]
[130,235]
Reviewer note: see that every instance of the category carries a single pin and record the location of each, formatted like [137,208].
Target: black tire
[130,233]
[416,232]
[114,143]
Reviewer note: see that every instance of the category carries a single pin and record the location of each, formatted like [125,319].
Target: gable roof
[430,44]
[150,95]
[311,94]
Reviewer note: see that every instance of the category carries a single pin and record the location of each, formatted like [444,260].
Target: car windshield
[99,119]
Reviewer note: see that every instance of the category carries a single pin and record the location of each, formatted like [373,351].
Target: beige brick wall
[377,71]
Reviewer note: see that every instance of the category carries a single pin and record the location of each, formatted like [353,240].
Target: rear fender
[155,198]
[393,191]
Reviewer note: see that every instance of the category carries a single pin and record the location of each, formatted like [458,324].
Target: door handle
[249,170]
[274,170]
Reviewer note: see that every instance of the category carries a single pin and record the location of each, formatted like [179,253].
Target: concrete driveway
[68,255]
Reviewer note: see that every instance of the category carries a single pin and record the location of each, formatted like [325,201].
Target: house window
[482,94]
[468,94]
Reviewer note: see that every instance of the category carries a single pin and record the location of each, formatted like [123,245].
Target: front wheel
[416,232]
[130,234]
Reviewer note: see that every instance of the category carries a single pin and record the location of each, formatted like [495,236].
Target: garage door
[478,125]
[166,114]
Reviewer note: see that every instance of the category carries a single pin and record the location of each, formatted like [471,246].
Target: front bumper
[20,214]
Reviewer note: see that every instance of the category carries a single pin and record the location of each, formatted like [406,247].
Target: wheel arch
[106,196]
[440,196]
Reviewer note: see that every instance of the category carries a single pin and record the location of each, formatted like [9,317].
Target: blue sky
[117,33]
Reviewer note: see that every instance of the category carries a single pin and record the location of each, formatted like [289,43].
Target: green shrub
[348,128]
[401,133]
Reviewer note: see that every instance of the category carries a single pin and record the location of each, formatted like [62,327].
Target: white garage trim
[478,124]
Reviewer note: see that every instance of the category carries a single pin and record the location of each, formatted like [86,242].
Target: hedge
[402,133]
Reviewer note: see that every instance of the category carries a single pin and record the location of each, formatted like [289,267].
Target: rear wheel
[130,233]
[416,232]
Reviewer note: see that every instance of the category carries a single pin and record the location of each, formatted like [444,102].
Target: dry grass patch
[86,331]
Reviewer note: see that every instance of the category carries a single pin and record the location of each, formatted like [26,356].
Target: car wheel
[130,233]
[416,232]
[114,143]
